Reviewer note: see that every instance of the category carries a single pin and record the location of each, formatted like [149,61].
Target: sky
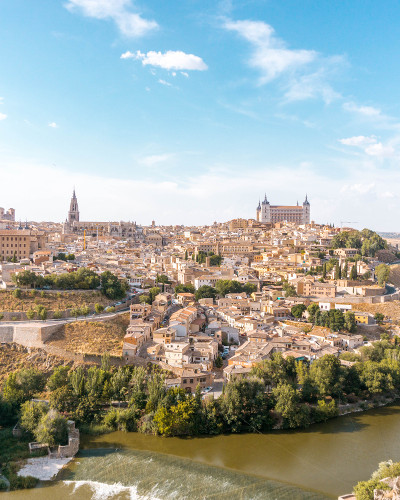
[189,111]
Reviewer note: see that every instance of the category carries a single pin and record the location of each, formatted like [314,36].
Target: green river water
[318,463]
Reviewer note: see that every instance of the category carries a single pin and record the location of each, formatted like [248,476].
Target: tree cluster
[223,287]
[65,257]
[333,319]
[83,279]
[367,241]
[291,393]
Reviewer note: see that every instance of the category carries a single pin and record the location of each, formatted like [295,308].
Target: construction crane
[347,222]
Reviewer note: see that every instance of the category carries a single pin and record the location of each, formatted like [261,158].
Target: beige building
[298,214]
[7,215]
[21,243]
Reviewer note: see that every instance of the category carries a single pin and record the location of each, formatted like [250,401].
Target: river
[318,463]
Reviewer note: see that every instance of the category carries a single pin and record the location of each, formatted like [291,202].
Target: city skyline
[185,114]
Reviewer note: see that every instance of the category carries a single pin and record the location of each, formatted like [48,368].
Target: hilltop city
[247,325]
[207,303]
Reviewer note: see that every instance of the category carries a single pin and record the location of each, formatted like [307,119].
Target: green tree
[155,392]
[112,287]
[382,272]
[145,299]
[353,272]
[30,313]
[245,406]
[176,420]
[187,288]
[98,308]
[52,429]
[153,292]
[31,414]
[58,378]
[312,309]
[289,290]
[379,318]
[326,375]
[218,363]
[205,292]
[223,287]
[325,410]
[350,322]
[298,310]
[338,272]
[345,270]
[287,403]
[17,293]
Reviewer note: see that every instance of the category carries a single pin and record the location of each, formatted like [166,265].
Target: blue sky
[188,111]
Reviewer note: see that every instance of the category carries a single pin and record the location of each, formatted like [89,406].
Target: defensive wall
[28,334]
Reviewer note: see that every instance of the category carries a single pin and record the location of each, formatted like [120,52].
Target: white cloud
[186,75]
[2,116]
[362,110]
[306,72]
[170,60]
[380,150]
[270,56]
[209,195]
[370,145]
[311,86]
[358,188]
[53,125]
[129,23]
[152,160]
[163,82]
[358,141]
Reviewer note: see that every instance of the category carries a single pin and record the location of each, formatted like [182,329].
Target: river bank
[317,463]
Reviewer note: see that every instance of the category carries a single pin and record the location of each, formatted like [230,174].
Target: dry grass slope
[394,276]
[52,301]
[90,337]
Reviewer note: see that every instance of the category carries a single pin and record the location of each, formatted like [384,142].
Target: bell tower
[73,214]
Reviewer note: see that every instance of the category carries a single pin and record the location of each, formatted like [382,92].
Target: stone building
[21,243]
[7,215]
[298,214]
[73,225]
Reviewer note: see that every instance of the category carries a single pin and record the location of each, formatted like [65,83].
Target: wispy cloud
[270,55]
[164,82]
[306,71]
[314,85]
[372,115]
[362,110]
[129,23]
[358,141]
[211,194]
[370,145]
[153,160]
[2,116]
[170,60]
[53,125]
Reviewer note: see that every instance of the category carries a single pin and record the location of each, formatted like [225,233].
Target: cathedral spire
[73,214]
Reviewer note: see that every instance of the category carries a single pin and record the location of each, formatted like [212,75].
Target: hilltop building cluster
[267,265]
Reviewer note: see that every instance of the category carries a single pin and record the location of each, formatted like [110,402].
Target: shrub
[52,429]
[98,308]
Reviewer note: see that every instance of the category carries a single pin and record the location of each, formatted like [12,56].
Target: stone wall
[6,334]
[28,334]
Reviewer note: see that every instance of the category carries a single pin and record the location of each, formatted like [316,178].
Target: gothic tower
[306,211]
[73,214]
